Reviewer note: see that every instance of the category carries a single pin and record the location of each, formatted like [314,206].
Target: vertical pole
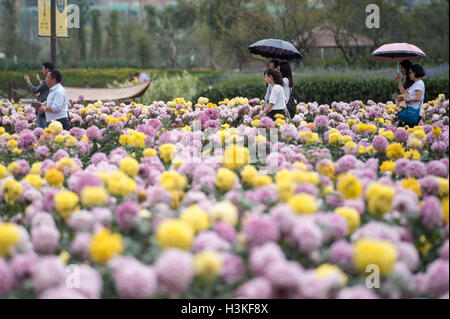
[53,34]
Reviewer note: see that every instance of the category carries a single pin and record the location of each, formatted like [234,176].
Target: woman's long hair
[277,77]
[286,72]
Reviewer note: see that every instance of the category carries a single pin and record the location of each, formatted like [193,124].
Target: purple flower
[262,256]
[83,147]
[48,273]
[341,253]
[27,139]
[401,136]
[288,132]
[437,278]
[60,154]
[175,270]
[80,246]
[127,215]
[90,282]
[408,254]
[334,199]
[45,239]
[266,122]
[22,264]
[437,168]
[346,163]
[38,132]
[260,230]
[81,179]
[81,220]
[98,157]
[212,113]
[356,292]
[20,126]
[377,230]
[401,167]
[233,268]
[380,143]
[416,169]
[225,231]
[256,288]
[77,132]
[6,278]
[284,275]
[134,280]
[333,226]
[431,212]
[42,153]
[357,204]
[321,122]
[93,133]
[306,235]
[405,202]
[429,186]
[209,240]
[440,147]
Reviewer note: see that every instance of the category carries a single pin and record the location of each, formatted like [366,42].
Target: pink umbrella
[397,52]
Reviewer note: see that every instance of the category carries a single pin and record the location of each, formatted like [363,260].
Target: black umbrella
[275,49]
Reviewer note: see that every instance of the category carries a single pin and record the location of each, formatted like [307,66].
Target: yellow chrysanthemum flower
[208,264]
[54,178]
[349,186]
[94,196]
[105,245]
[379,198]
[351,215]
[303,204]
[376,252]
[9,236]
[11,190]
[66,202]
[175,233]
[235,156]
[225,179]
[129,166]
[196,217]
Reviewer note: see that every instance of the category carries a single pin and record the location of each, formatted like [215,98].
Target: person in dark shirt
[41,90]
[405,68]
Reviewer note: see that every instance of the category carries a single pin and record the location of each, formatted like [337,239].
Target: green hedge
[101,77]
[325,88]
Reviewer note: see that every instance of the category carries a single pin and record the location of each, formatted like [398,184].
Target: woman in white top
[416,94]
[277,100]
[288,82]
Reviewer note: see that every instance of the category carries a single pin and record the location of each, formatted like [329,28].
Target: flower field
[198,200]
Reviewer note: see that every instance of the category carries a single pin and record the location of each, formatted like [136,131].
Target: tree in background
[81,32]
[97,38]
[208,28]
[112,42]
[242,23]
[143,49]
[10,37]
[296,18]
[171,25]
[429,24]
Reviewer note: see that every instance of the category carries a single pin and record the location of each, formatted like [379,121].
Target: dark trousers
[272,113]
[65,123]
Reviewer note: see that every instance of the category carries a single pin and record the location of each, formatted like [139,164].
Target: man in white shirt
[56,107]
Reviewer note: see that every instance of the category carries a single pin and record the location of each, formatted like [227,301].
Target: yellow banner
[44,18]
[61,18]
[44,21]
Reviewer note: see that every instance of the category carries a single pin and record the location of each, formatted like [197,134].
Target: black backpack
[292,104]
